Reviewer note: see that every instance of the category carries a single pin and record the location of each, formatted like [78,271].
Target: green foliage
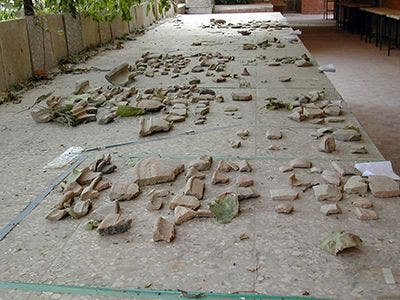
[129,111]
[99,10]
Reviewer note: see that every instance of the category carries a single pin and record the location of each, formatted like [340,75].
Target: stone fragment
[90,192]
[284,208]
[115,222]
[359,150]
[303,63]
[347,135]
[152,125]
[245,72]
[331,177]
[194,80]
[332,110]
[150,105]
[195,187]
[337,241]
[244,166]
[164,230]
[197,69]
[174,118]
[67,200]
[335,119]
[154,170]
[155,203]
[204,213]
[356,185]
[193,172]
[57,214]
[120,75]
[105,117]
[79,209]
[284,169]
[183,214]
[87,176]
[300,163]
[246,193]
[249,46]
[383,186]
[102,211]
[245,180]
[224,166]
[241,97]
[362,202]
[274,134]
[365,214]
[225,207]
[235,144]
[186,201]
[315,170]
[344,169]
[284,194]
[327,144]
[313,112]
[330,209]
[296,116]
[124,190]
[327,192]
[202,164]
[41,115]
[219,178]
[243,134]
[231,109]
[285,78]
[274,148]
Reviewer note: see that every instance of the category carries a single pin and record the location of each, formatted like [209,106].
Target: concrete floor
[283,250]
[365,77]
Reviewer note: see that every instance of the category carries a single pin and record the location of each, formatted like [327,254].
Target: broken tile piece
[202,164]
[331,177]
[284,169]
[246,193]
[327,144]
[356,185]
[164,230]
[383,186]
[284,194]
[241,97]
[337,241]
[57,214]
[204,213]
[346,135]
[195,187]
[79,209]
[193,172]
[365,214]
[284,208]
[244,166]
[235,144]
[154,170]
[115,222]
[344,169]
[183,214]
[245,180]
[184,200]
[155,203]
[224,166]
[152,125]
[330,209]
[219,178]
[327,192]
[300,163]
[362,202]
[123,190]
[225,207]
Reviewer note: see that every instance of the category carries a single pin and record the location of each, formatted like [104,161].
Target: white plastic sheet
[65,158]
[377,168]
[327,68]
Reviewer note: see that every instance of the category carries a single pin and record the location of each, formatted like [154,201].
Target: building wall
[312,6]
[34,44]
[391,3]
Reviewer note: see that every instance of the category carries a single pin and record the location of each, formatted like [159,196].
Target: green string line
[135,293]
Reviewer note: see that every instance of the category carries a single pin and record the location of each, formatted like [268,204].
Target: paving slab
[281,255]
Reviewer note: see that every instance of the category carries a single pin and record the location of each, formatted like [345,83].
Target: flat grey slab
[282,255]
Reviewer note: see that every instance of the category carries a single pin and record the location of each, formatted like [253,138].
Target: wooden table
[348,14]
